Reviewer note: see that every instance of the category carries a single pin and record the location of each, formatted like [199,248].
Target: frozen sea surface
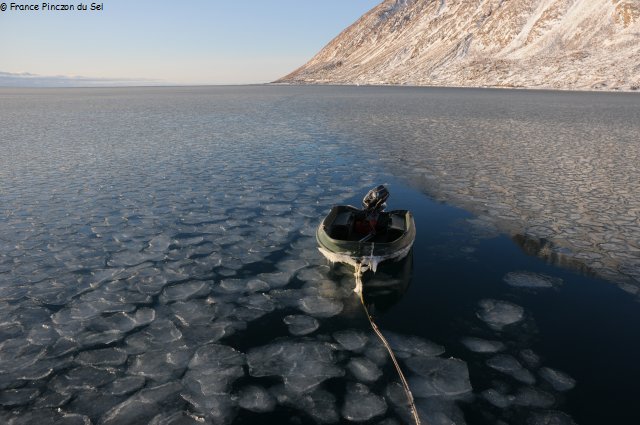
[158,261]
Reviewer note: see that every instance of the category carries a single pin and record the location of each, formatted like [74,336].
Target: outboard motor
[373,205]
[374,201]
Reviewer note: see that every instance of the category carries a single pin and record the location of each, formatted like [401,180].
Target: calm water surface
[158,261]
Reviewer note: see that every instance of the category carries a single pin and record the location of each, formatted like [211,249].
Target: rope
[358,274]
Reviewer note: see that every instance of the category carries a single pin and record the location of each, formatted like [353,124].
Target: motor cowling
[374,200]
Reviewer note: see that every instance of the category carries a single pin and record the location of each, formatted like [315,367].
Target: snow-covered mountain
[562,44]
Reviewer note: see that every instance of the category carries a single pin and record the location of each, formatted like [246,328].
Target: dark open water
[158,261]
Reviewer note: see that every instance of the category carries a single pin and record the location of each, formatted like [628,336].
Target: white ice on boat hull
[363,263]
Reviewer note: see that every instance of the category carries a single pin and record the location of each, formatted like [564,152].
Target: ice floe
[533,397]
[530,358]
[102,357]
[509,365]
[81,378]
[438,411]
[51,399]
[479,345]
[313,274]
[260,302]
[498,314]
[276,279]
[235,286]
[435,376]
[291,265]
[125,385]
[321,307]
[319,404]
[143,406]
[364,370]
[300,324]
[159,243]
[360,404]
[256,399]
[351,339]
[177,418]
[213,369]
[217,408]
[406,346]
[160,365]
[73,419]
[531,280]
[302,366]
[194,312]
[498,399]
[42,334]
[376,351]
[560,381]
[18,353]
[184,291]
[18,397]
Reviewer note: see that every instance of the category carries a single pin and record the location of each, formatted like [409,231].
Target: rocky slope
[562,44]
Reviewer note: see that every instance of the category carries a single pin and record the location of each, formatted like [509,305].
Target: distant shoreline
[326,84]
[541,88]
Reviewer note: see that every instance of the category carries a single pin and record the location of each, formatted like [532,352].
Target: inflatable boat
[368,236]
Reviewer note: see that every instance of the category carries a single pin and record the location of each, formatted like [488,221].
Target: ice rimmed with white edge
[302,366]
[498,314]
[531,280]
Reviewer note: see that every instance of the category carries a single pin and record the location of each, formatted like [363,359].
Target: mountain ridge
[555,44]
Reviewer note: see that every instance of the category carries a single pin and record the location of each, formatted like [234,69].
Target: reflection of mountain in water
[545,249]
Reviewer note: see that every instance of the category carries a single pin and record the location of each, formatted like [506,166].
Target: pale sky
[179,42]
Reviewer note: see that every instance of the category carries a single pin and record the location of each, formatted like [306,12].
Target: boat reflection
[383,289]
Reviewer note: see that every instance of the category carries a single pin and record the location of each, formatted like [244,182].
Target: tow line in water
[359,271]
